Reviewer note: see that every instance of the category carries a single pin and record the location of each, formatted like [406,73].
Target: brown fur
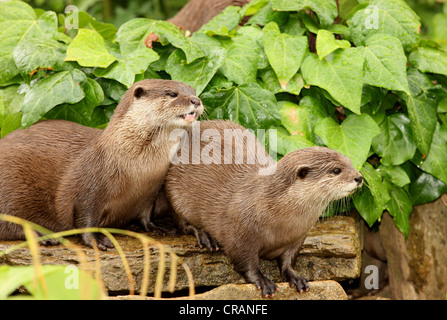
[196,13]
[253,215]
[63,175]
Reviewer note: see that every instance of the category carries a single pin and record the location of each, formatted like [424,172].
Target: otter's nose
[358,179]
[196,102]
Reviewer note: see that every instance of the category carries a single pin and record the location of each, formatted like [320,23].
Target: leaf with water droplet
[325,10]
[284,52]
[436,160]
[60,87]
[429,60]
[395,144]
[248,104]
[421,105]
[373,199]
[340,73]
[345,137]
[392,17]
[385,63]
[197,73]
[326,43]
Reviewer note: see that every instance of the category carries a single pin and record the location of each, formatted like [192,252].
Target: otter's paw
[300,283]
[204,239]
[267,286]
[49,243]
[101,241]
[152,227]
[161,230]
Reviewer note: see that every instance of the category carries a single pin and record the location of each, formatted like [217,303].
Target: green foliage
[362,82]
[57,282]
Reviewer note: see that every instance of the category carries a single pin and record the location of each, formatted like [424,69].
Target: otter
[255,210]
[62,175]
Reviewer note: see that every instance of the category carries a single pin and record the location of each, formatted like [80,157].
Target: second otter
[255,210]
[63,175]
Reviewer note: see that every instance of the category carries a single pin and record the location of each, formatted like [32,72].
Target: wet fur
[253,215]
[63,175]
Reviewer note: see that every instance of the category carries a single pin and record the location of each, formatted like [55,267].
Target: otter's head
[318,175]
[161,103]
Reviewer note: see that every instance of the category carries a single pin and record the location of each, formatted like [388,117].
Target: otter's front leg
[88,217]
[247,264]
[146,220]
[286,264]
[261,282]
[102,242]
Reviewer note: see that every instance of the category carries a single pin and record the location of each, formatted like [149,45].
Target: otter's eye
[336,171]
[172,94]
[302,172]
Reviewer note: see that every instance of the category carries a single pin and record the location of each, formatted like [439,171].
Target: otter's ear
[302,172]
[288,176]
[139,92]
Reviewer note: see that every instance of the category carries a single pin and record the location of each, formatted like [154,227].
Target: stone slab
[330,252]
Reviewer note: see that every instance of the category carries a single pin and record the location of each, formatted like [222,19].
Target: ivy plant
[363,83]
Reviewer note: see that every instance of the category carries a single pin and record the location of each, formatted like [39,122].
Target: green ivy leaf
[375,184]
[429,60]
[436,160]
[400,208]
[395,174]
[326,43]
[18,23]
[270,82]
[241,62]
[253,7]
[197,73]
[300,120]
[60,87]
[326,10]
[284,52]
[395,144]
[368,207]
[89,50]
[129,65]
[421,106]
[34,54]
[266,14]
[106,30]
[12,101]
[11,122]
[373,199]
[82,111]
[426,188]
[224,22]
[248,104]
[55,276]
[393,17]
[287,143]
[385,63]
[174,36]
[352,138]
[340,73]
[132,34]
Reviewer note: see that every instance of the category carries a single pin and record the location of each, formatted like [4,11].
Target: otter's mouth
[189,117]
